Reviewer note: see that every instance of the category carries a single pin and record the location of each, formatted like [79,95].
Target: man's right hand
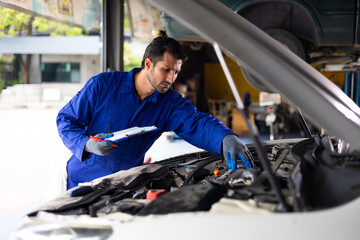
[101,148]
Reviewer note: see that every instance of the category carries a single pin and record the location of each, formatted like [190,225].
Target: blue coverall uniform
[110,98]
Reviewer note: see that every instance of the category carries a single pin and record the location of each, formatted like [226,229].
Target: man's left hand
[234,149]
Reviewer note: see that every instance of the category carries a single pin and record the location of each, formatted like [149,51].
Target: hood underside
[271,63]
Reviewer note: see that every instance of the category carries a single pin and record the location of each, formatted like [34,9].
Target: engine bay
[309,178]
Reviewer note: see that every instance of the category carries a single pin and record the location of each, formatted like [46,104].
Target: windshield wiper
[254,133]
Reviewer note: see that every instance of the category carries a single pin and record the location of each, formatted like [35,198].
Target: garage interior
[332,50]
[298,28]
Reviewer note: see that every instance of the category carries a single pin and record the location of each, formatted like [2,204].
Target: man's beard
[151,79]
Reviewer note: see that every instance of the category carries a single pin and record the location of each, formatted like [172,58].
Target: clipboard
[123,134]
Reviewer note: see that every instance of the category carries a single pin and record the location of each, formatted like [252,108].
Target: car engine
[309,177]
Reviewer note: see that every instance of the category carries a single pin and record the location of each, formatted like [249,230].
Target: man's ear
[148,63]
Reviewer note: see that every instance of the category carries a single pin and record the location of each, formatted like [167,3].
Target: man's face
[164,73]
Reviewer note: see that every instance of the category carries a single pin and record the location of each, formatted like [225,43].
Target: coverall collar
[131,86]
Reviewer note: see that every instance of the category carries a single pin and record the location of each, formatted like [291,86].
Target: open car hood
[269,62]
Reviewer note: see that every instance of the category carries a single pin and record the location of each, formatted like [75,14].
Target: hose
[200,166]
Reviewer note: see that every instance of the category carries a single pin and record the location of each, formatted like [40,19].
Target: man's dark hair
[156,49]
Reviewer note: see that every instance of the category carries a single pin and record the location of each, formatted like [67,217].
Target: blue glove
[234,149]
[101,148]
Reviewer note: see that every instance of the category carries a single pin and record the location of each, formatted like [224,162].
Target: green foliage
[130,61]
[11,22]
[5,65]
[134,62]
[4,60]
[14,82]
[126,22]
[57,29]
[2,84]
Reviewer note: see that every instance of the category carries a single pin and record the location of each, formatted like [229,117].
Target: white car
[306,188]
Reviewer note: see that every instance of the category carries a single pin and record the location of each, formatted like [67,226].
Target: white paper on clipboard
[129,132]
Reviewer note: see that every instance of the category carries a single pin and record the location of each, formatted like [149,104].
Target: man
[113,101]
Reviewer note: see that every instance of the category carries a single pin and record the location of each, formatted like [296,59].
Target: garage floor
[31,156]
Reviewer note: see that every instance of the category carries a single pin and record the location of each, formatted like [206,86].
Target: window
[60,72]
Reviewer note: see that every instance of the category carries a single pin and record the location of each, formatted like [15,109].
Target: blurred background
[49,49]
[47,53]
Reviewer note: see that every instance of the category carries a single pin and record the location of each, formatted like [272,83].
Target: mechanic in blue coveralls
[141,97]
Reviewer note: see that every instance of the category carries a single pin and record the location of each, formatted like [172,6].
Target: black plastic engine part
[325,184]
[187,199]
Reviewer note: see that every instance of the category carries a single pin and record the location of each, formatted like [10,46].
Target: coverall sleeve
[74,118]
[200,129]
